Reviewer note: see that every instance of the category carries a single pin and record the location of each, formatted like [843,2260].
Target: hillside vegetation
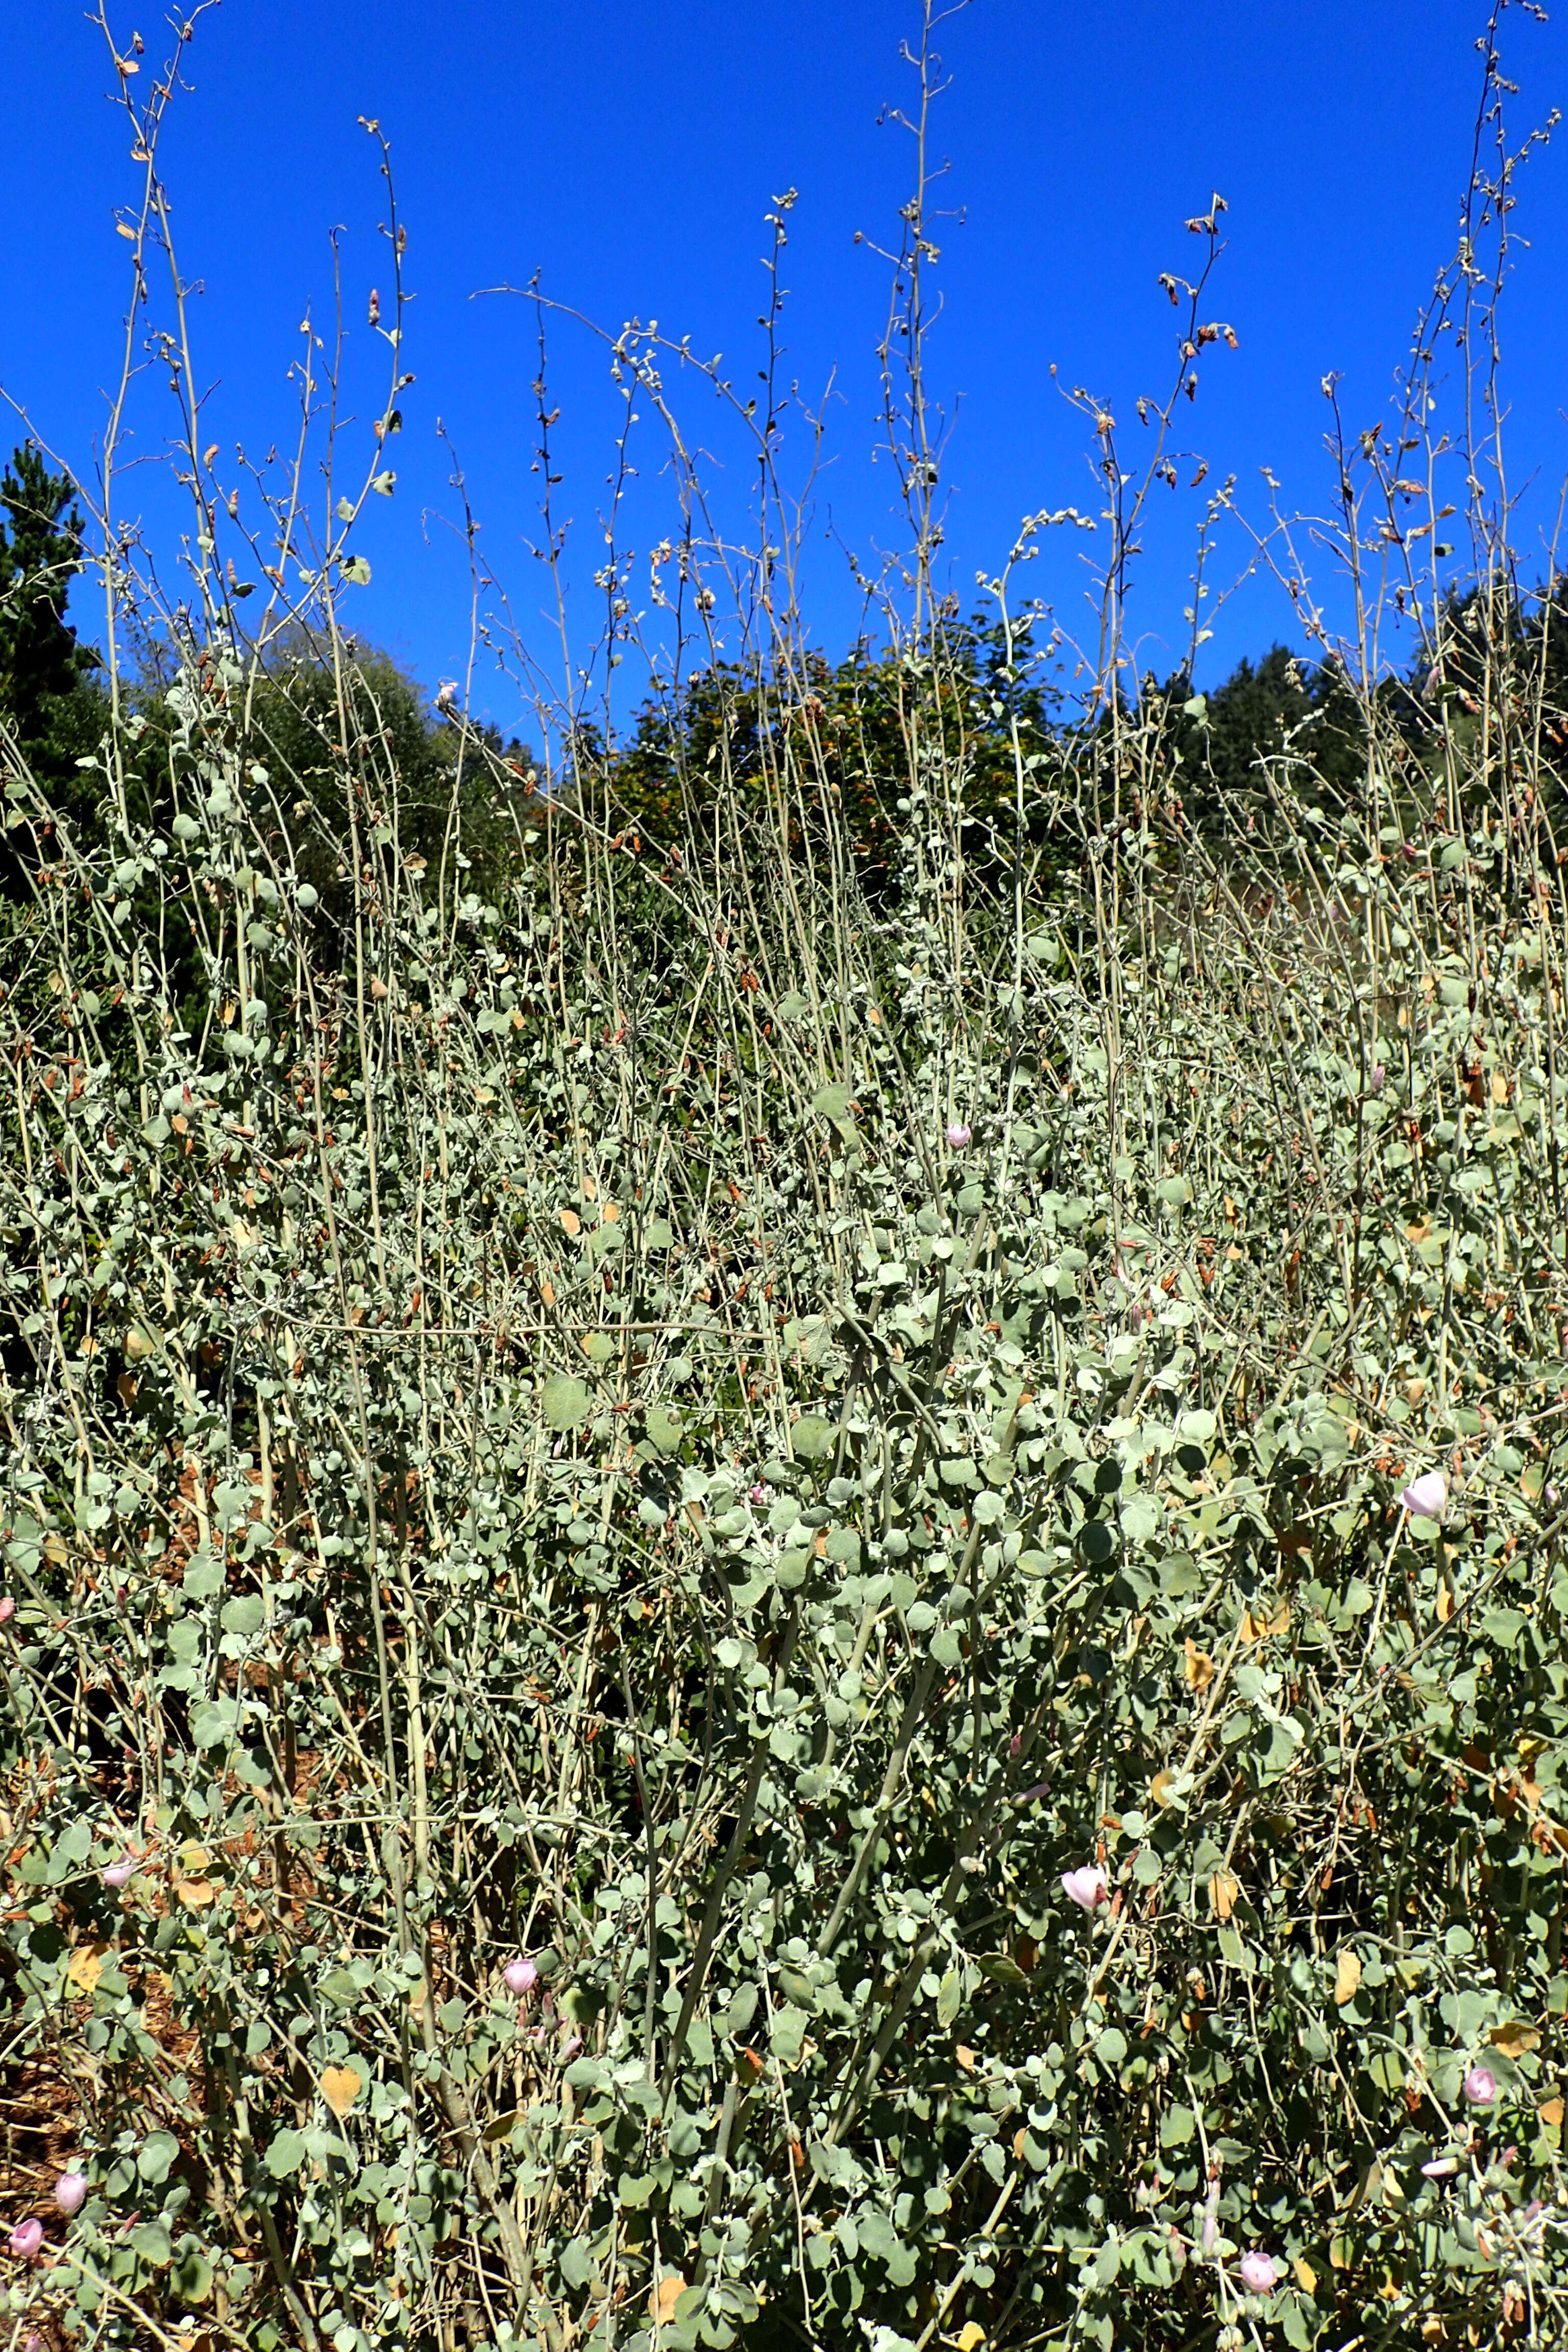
[783,1562]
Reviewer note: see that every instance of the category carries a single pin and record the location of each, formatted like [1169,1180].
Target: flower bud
[1480,2087]
[1259,2273]
[1427,1498]
[1088,1886]
[958,1135]
[25,2240]
[70,2192]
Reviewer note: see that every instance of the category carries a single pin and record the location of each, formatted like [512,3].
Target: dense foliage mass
[783,1565]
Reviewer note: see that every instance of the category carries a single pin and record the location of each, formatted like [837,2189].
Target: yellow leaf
[612,1212]
[1306,2276]
[547,1292]
[1257,1624]
[1224,1888]
[1500,1088]
[1197,1666]
[965,2058]
[1161,1786]
[86,1965]
[1514,2039]
[1347,1976]
[1444,1604]
[195,1893]
[1551,2113]
[662,2302]
[340,2086]
[970,2336]
[572,1220]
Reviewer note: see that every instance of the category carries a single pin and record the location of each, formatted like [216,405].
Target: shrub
[743,1612]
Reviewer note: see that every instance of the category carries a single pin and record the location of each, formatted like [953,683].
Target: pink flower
[70,2192]
[1015,1745]
[1259,2273]
[958,1135]
[1441,2168]
[1480,2087]
[25,2240]
[1427,1498]
[1086,1887]
[8,1609]
[118,1872]
[520,1975]
[758,1493]
[1376,1079]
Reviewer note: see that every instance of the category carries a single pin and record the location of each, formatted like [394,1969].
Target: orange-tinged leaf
[1347,1976]
[1197,1665]
[1514,2038]
[547,1292]
[612,1212]
[667,2294]
[572,1220]
[1224,1888]
[970,2336]
[86,1965]
[965,2058]
[1444,1604]
[340,2086]
[195,1893]
[1551,2113]
[1306,2276]
[1161,1786]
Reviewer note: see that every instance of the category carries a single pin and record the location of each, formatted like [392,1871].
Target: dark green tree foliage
[1281,708]
[50,703]
[860,726]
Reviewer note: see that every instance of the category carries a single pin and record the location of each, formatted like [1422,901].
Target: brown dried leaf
[1224,1888]
[1514,2038]
[1347,1976]
[1197,1666]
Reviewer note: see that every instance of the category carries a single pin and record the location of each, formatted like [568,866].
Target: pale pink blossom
[1088,1887]
[520,1975]
[25,2240]
[959,1135]
[758,1493]
[70,2192]
[1427,1498]
[1480,2087]
[7,1608]
[118,1872]
[1441,2168]
[1259,2273]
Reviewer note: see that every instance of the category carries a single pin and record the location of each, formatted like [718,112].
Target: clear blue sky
[626,150]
